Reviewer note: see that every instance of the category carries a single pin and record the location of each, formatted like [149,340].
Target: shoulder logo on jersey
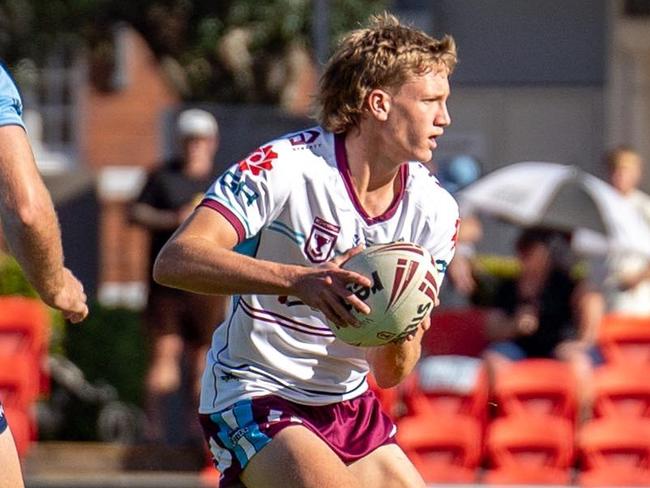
[304,138]
[259,160]
[320,243]
[233,182]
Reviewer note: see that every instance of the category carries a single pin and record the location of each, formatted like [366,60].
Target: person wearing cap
[178,323]
[628,285]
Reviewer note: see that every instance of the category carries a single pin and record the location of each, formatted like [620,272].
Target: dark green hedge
[109,346]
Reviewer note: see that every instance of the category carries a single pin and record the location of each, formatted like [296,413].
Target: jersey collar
[344,171]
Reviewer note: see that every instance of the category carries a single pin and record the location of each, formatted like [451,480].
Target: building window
[51,98]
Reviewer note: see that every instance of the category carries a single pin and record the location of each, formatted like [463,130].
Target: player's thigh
[297,458]
[10,474]
[387,467]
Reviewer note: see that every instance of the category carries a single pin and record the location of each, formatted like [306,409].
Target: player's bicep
[210,225]
[22,191]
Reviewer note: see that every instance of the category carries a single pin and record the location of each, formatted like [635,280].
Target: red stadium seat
[24,329]
[388,397]
[625,339]
[527,475]
[537,387]
[529,449]
[448,385]
[456,331]
[24,325]
[614,477]
[21,428]
[622,391]
[443,448]
[615,444]
[18,381]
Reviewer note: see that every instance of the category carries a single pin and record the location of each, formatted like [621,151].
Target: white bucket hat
[196,123]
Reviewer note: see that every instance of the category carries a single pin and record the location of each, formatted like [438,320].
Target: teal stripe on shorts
[244,415]
[239,432]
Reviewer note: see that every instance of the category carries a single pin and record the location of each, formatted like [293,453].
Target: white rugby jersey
[292,201]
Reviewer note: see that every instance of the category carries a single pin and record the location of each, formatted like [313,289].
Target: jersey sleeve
[11,107]
[251,193]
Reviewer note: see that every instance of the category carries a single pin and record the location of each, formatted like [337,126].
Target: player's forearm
[392,363]
[196,264]
[28,218]
[37,248]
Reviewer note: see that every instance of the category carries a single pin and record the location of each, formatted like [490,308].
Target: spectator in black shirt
[179,324]
[546,312]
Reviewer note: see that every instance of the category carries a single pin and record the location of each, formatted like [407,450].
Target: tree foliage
[234,50]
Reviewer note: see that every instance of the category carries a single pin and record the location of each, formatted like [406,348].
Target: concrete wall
[628,85]
[502,125]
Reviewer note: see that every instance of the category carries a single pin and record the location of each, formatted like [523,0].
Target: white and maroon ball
[404,291]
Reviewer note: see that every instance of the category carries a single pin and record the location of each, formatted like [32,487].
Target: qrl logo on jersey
[320,244]
[258,161]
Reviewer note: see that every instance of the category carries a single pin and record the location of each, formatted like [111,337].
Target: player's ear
[379,102]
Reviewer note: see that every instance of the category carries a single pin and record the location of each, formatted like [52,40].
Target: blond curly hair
[383,55]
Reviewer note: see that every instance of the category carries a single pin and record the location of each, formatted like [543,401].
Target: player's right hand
[325,288]
[71,299]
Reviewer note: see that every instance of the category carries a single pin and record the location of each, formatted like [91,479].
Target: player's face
[418,116]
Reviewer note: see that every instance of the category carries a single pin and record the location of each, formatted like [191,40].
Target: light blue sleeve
[11,106]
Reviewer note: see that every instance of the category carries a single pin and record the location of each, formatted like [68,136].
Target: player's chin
[424,154]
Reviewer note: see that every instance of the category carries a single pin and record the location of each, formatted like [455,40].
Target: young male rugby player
[284,403]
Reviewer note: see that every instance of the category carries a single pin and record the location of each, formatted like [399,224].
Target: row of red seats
[534,437]
[24,336]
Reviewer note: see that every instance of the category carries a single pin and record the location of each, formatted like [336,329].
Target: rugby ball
[404,291]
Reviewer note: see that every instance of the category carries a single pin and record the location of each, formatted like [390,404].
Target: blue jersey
[11,111]
[3,420]
[11,105]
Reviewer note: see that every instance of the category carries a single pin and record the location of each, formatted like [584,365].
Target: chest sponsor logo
[320,243]
[260,160]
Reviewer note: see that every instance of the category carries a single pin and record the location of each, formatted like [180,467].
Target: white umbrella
[560,197]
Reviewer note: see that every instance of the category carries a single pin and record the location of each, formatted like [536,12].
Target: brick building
[119,131]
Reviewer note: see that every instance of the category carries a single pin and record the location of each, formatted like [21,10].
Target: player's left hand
[326,289]
[419,332]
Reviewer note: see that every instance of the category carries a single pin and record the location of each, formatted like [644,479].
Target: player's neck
[375,178]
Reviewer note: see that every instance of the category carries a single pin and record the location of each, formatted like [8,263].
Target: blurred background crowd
[132,108]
